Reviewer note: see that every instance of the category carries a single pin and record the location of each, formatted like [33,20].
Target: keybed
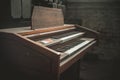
[66,42]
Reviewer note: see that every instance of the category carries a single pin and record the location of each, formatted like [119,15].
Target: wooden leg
[72,73]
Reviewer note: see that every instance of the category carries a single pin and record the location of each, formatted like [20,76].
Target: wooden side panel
[46,17]
[22,62]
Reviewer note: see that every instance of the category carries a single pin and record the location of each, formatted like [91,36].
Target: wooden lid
[44,17]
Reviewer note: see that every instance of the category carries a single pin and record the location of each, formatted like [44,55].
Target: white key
[71,37]
[73,49]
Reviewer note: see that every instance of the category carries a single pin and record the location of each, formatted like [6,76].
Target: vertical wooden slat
[26,8]
[16,8]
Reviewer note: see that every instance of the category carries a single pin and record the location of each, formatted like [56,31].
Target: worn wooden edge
[43,30]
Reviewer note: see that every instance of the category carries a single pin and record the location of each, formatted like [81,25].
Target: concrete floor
[100,69]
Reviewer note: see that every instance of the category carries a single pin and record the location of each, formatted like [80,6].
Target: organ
[49,49]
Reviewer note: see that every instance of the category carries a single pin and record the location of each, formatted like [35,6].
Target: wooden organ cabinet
[47,50]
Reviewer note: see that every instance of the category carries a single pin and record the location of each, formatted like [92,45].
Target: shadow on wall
[4,10]
[100,16]
[73,21]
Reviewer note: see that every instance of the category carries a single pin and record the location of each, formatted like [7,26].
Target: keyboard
[64,34]
[71,46]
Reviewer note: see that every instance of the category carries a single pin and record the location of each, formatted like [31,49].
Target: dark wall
[5,10]
[6,19]
[100,16]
